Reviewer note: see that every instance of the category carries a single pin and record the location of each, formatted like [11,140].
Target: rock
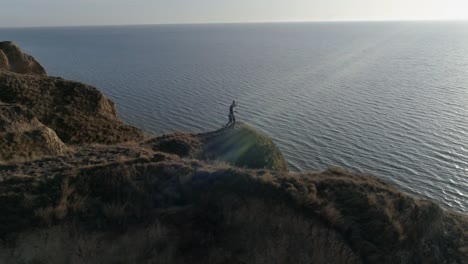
[23,136]
[14,60]
[4,61]
[77,112]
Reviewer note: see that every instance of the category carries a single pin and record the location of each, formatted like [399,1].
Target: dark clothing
[232,118]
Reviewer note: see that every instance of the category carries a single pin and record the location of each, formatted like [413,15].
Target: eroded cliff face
[22,136]
[14,60]
[78,113]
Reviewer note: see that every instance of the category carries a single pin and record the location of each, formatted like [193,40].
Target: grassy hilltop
[77,185]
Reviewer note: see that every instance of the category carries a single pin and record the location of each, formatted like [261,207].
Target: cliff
[13,59]
[218,197]
[77,112]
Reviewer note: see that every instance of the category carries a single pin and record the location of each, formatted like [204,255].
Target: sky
[25,13]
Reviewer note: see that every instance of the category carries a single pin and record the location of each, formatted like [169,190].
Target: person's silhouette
[232,118]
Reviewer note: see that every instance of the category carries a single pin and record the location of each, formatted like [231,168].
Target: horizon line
[247,22]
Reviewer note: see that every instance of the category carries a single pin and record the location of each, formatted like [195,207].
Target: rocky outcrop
[23,136]
[14,60]
[77,112]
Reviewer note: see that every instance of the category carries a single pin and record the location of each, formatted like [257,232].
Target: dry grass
[45,215]
[241,146]
[220,214]
[183,145]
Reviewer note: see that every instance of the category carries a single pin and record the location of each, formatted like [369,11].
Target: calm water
[386,98]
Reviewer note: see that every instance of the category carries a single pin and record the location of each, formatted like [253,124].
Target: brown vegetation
[241,146]
[222,214]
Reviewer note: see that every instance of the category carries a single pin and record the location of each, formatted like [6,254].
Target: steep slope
[13,59]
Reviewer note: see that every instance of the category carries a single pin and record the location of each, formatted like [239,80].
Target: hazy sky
[114,12]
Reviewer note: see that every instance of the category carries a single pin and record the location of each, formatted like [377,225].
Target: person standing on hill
[232,118]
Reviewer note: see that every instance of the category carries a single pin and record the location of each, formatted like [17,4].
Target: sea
[386,98]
